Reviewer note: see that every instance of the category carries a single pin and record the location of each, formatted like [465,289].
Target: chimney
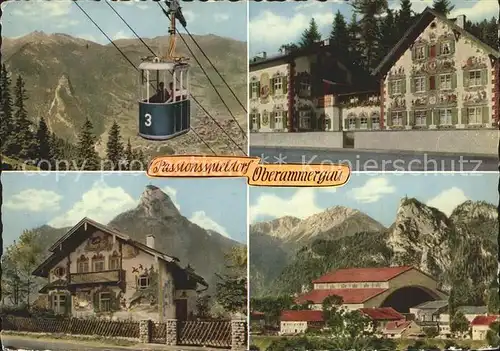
[150,241]
[461,21]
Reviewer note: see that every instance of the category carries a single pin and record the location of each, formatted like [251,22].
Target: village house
[380,317]
[429,311]
[297,90]
[402,330]
[481,325]
[97,271]
[298,322]
[398,287]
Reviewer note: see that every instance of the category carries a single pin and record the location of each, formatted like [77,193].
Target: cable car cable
[206,74]
[213,66]
[133,65]
[191,95]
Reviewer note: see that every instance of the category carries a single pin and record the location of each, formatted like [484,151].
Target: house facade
[480,326]
[295,91]
[298,322]
[95,270]
[372,287]
[402,330]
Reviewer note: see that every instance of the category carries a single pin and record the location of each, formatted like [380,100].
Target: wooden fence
[204,333]
[75,326]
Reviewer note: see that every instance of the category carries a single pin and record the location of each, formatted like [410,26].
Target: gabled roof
[397,326]
[484,320]
[360,275]
[349,296]
[57,254]
[302,316]
[382,314]
[426,17]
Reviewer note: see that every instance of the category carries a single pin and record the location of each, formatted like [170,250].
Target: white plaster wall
[293,327]
[464,48]
[333,114]
[63,264]
[281,99]
[357,111]
[473,141]
[479,332]
[136,259]
[332,140]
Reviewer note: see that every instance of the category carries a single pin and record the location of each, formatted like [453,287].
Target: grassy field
[263,342]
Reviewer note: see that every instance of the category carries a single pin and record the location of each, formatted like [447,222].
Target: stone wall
[332,140]
[480,141]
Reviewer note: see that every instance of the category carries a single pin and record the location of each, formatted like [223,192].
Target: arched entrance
[409,296]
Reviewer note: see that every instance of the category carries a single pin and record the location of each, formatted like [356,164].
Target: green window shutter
[465,78]
[95,300]
[389,118]
[428,117]
[486,115]
[439,49]
[437,82]
[369,124]
[271,88]
[285,85]
[285,120]
[346,123]
[427,51]
[465,115]
[403,86]
[436,117]
[453,80]
[484,77]
[67,304]
[411,115]
[427,83]
[258,89]
[115,301]
[412,84]
[358,123]
[454,116]
[272,119]
[414,53]
[250,91]
[258,120]
[405,118]
[389,87]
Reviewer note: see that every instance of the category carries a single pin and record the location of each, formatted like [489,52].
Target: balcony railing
[96,277]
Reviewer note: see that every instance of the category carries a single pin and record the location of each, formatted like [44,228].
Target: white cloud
[67,23]
[448,200]
[200,218]
[373,190]
[221,17]
[50,9]
[121,35]
[189,15]
[172,193]
[34,200]
[480,10]
[302,204]
[101,203]
[272,29]
[88,37]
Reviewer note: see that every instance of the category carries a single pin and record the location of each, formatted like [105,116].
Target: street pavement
[376,161]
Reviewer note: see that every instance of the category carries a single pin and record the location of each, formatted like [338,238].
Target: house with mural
[96,270]
[295,91]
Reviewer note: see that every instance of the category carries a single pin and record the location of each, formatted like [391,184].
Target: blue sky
[61,16]
[376,195]
[273,24]
[31,200]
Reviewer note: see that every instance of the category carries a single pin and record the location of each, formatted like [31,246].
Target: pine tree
[114,147]
[43,144]
[339,35]
[5,107]
[354,42]
[404,18]
[22,144]
[129,155]
[388,32]
[444,7]
[87,156]
[310,35]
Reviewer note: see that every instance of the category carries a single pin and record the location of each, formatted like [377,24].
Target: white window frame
[445,79]
[447,45]
[254,116]
[83,266]
[305,86]
[475,78]
[114,263]
[445,117]
[255,90]
[104,302]
[421,84]
[96,262]
[375,122]
[397,116]
[351,122]
[363,123]
[420,117]
[59,303]
[278,85]
[420,52]
[303,117]
[397,86]
[143,282]
[477,115]
[278,118]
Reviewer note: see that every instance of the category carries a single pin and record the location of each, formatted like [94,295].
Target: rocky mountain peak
[156,204]
[470,210]
[278,228]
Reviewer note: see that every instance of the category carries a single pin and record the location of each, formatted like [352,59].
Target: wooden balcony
[113,276]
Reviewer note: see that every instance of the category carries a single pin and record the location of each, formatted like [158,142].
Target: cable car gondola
[164,104]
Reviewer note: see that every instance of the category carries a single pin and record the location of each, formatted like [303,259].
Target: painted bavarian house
[438,78]
[95,270]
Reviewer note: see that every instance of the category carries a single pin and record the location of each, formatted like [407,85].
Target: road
[373,161]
